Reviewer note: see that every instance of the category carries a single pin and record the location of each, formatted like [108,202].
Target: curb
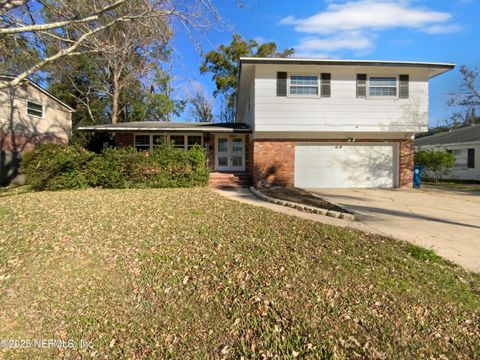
[301,207]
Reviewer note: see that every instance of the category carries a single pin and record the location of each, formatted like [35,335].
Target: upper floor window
[304,85]
[34,109]
[382,86]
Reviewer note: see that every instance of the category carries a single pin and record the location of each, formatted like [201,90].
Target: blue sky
[428,30]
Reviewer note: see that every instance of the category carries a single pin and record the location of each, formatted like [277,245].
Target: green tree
[161,102]
[224,64]
[436,163]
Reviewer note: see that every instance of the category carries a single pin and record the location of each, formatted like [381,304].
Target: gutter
[299,61]
[106,128]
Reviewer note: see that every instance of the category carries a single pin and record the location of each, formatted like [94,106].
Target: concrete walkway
[245,196]
[446,221]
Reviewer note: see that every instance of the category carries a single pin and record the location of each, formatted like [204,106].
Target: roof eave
[44,91]
[306,61]
[142,129]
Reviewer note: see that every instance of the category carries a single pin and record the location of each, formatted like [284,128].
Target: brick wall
[210,140]
[248,153]
[406,163]
[21,142]
[124,139]
[274,161]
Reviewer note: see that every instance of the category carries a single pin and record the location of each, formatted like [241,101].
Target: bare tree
[200,106]
[466,99]
[62,28]
[129,51]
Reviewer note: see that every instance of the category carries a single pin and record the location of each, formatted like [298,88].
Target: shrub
[114,168]
[437,163]
[168,166]
[55,167]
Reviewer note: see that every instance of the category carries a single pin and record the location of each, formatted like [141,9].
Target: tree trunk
[115,95]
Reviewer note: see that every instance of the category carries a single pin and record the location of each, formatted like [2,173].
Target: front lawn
[185,273]
[456,185]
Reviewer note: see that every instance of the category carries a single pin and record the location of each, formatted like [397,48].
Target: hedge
[56,167]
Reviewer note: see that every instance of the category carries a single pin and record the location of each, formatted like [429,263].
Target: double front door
[230,153]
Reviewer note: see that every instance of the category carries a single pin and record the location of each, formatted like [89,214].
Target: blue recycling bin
[417,176]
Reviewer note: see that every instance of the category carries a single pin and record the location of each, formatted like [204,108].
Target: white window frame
[289,85]
[397,87]
[151,135]
[36,103]
[230,138]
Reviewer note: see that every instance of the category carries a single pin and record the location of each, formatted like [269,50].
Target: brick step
[229,180]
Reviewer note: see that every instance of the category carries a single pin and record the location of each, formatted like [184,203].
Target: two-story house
[310,123]
[29,114]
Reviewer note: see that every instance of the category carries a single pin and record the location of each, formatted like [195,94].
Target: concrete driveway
[444,220]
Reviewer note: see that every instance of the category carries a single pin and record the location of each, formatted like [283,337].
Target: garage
[340,165]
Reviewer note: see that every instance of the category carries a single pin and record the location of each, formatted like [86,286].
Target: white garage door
[345,166]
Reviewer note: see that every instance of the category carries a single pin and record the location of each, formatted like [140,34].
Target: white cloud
[366,15]
[352,25]
[345,41]
[442,29]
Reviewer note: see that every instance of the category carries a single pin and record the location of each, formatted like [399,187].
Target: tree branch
[59,24]
[7,5]
[59,54]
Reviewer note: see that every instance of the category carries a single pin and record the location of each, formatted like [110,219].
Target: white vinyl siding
[345,166]
[464,158]
[460,171]
[55,121]
[342,111]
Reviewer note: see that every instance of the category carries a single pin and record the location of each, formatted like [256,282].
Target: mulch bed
[300,196]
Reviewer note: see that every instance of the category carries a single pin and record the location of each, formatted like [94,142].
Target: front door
[230,153]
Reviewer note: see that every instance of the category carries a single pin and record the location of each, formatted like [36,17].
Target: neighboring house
[464,144]
[29,114]
[310,123]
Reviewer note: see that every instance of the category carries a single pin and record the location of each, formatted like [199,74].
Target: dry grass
[187,274]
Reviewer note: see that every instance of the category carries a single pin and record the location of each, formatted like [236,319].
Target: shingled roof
[463,135]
